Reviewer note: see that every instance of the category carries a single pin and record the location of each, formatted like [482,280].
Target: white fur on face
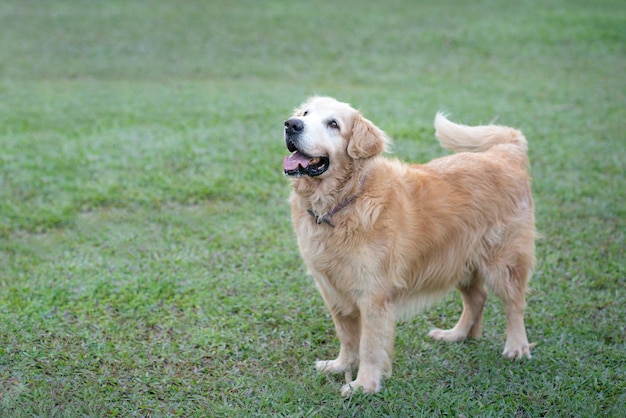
[327,124]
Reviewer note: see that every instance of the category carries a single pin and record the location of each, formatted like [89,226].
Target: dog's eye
[333,124]
[306,112]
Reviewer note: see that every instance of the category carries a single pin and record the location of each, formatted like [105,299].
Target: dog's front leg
[349,332]
[378,326]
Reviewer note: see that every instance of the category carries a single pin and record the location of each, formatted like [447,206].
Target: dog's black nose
[293,126]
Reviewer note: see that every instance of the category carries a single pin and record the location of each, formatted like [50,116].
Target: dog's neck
[326,217]
[322,198]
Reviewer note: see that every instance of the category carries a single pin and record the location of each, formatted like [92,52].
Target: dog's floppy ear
[367,139]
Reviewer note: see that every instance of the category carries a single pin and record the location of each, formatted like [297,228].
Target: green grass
[147,261]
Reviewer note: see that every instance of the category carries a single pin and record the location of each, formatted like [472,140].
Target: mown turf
[147,262]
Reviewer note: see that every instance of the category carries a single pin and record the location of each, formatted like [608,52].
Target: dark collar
[325,218]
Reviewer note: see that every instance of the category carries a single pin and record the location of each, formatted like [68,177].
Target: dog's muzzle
[299,163]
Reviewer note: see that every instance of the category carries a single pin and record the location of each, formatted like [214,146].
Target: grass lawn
[148,265]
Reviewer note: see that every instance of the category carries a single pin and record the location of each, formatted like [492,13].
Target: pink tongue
[294,160]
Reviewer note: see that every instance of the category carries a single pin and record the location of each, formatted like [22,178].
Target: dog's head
[325,135]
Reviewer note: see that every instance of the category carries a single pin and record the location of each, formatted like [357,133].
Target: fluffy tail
[459,138]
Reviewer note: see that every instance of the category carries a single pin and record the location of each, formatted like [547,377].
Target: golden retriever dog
[384,239]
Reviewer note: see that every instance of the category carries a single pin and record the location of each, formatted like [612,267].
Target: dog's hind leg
[514,301]
[470,322]
[508,280]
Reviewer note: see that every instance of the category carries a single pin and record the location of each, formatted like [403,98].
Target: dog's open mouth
[300,164]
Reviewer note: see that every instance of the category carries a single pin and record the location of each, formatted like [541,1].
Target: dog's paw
[449,335]
[330,366]
[367,386]
[516,352]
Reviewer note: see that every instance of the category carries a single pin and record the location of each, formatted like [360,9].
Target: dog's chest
[336,254]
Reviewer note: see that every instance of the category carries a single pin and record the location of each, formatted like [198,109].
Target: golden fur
[411,232]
